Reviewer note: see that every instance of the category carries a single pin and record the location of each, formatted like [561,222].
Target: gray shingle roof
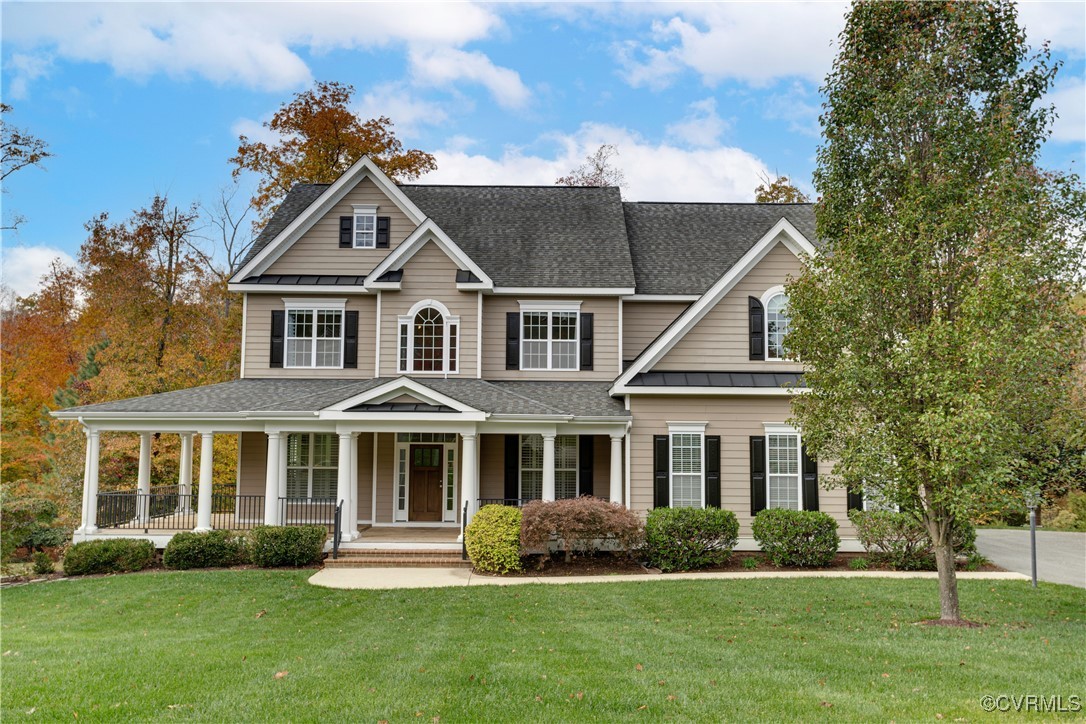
[680,248]
[256,395]
[296,201]
[718,379]
[535,236]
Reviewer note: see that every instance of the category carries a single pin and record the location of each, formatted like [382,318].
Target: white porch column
[548,466]
[616,469]
[343,481]
[282,520]
[203,513]
[469,475]
[90,484]
[352,519]
[184,474]
[143,480]
[271,481]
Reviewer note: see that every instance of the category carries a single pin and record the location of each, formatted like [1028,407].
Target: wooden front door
[425,483]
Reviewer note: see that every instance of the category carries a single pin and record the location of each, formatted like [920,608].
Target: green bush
[493,539]
[28,523]
[858,564]
[273,546]
[1069,513]
[582,524]
[750,563]
[214,549]
[43,564]
[902,542]
[685,539]
[112,555]
[803,538]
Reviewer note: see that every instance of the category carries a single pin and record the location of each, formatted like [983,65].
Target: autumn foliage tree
[935,322]
[318,137]
[779,191]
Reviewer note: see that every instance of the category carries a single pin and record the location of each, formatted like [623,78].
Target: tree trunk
[948,583]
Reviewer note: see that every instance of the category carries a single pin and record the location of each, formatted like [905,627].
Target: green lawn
[192,646]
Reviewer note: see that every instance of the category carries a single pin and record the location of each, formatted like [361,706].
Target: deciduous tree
[779,191]
[935,322]
[598,169]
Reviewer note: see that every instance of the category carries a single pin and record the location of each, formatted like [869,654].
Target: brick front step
[397,559]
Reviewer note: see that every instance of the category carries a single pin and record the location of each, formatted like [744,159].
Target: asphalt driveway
[1061,557]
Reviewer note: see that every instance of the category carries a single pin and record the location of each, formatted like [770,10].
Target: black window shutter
[512,340]
[757,474]
[350,340]
[585,457]
[757,328]
[855,500]
[512,467]
[383,223]
[810,481]
[278,333]
[586,341]
[712,471]
[346,232]
[661,487]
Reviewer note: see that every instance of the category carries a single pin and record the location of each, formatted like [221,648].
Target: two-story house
[413,351]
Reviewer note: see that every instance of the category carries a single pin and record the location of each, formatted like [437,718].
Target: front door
[425,483]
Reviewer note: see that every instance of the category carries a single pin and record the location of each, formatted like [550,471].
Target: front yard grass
[265,645]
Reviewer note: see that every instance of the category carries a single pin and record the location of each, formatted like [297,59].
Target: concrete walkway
[387,578]
[1061,556]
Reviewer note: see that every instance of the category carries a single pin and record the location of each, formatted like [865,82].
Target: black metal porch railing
[337,530]
[307,511]
[515,502]
[164,508]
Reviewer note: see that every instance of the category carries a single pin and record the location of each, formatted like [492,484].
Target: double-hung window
[549,336]
[314,336]
[312,465]
[783,470]
[365,227]
[687,469]
[531,467]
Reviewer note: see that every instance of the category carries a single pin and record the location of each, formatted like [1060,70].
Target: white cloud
[1061,23]
[754,43]
[25,69]
[408,113]
[24,266]
[654,171]
[247,44]
[444,65]
[254,130]
[1069,97]
[702,126]
[796,105]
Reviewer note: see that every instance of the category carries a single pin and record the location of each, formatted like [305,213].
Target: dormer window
[365,227]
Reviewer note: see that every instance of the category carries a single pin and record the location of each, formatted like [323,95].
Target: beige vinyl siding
[318,252]
[642,322]
[252,476]
[429,274]
[492,469]
[365,476]
[386,475]
[721,341]
[735,419]
[605,339]
[258,336]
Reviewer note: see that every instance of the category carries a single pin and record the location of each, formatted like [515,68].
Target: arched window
[429,339]
[776,325]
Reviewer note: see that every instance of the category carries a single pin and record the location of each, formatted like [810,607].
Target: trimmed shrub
[684,539]
[803,538]
[43,564]
[583,525]
[112,555]
[214,549]
[493,539]
[274,546]
[902,542]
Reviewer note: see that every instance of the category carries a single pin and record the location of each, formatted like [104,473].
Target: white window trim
[315,306]
[550,308]
[363,210]
[310,467]
[404,365]
[781,428]
[576,466]
[769,294]
[685,428]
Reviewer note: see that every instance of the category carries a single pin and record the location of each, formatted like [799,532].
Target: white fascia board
[374,286]
[295,288]
[394,388]
[790,237]
[322,205]
[662,298]
[566,291]
[472,286]
[426,232]
[636,390]
[77,414]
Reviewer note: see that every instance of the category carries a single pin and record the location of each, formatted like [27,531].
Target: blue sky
[700,99]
